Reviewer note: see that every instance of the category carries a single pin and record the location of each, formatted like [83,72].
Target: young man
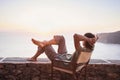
[88,39]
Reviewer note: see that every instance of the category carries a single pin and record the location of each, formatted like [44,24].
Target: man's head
[88,44]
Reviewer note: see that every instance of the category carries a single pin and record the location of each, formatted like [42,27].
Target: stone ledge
[16,68]
[23,60]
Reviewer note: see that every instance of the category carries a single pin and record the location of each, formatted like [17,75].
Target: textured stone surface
[21,69]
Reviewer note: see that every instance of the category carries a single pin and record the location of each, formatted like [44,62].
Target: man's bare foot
[31,59]
[38,43]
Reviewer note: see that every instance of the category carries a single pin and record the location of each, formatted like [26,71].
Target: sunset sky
[60,16]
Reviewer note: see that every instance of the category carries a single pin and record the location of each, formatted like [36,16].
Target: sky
[59,16]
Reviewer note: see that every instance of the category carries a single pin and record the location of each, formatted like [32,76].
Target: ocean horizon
[20,45]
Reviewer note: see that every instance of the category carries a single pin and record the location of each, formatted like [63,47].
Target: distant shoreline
[111,37]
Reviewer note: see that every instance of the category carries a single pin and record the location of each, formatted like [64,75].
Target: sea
[20,45]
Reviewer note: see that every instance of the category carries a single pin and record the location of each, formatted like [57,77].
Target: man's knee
[59,38]
[62,38]
[75,36]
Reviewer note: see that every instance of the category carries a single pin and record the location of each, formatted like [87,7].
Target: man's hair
[89,35]
[87,45]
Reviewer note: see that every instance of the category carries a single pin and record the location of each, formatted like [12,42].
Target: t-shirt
[69,56]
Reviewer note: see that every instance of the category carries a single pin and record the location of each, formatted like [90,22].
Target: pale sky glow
[51,16]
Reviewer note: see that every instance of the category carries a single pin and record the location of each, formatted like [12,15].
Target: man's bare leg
[44,46]
[41,47]
[38,43]
[35,56]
